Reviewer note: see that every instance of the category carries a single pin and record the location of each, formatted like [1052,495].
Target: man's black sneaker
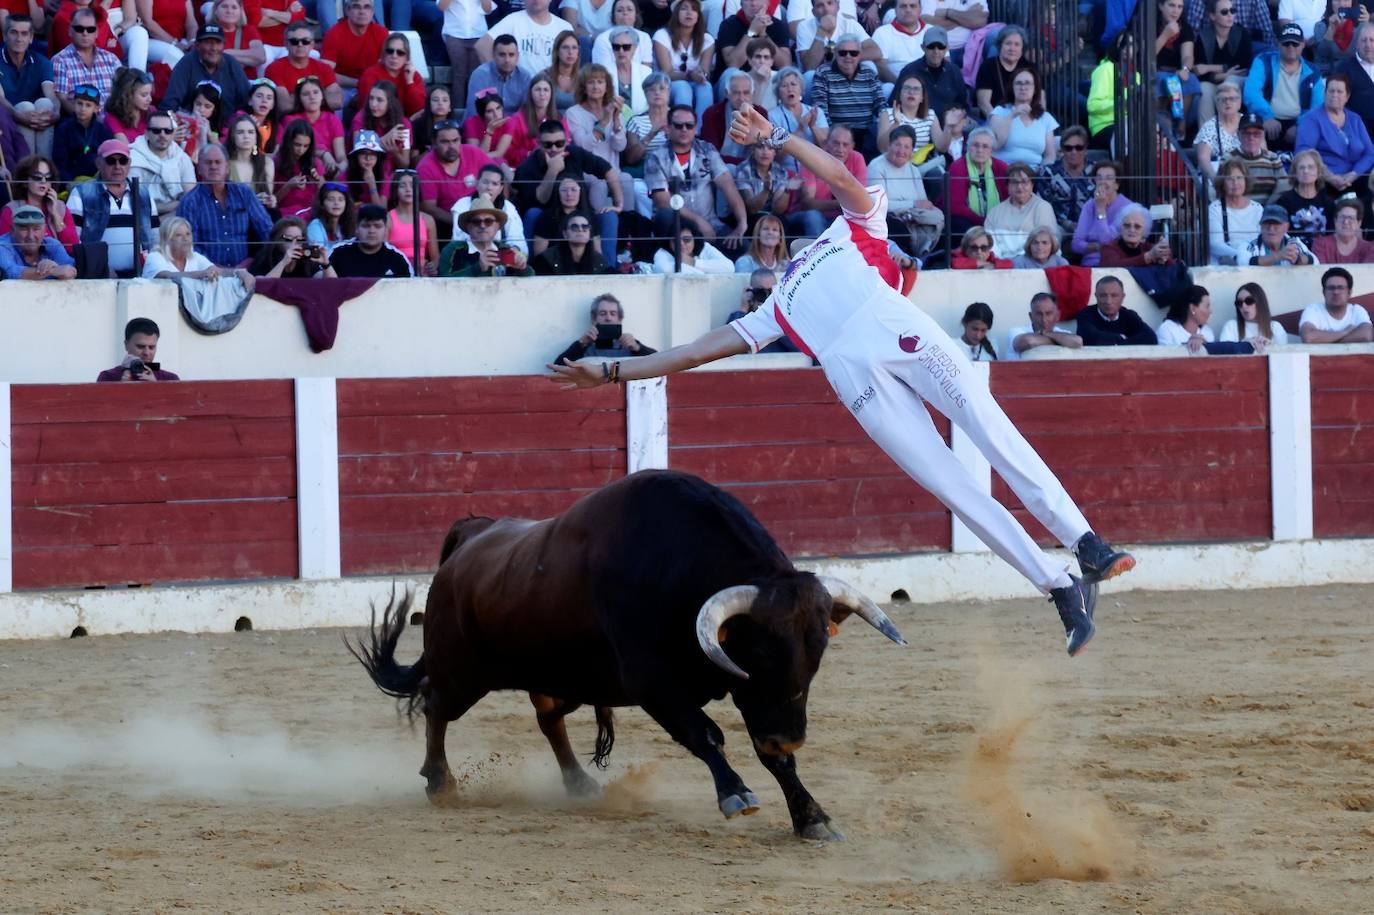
[1075,604]
[1099,560]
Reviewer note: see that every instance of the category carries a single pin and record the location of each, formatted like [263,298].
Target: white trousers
[889,358]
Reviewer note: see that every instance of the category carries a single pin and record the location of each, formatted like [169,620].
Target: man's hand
[555,160]
[1195,343]
[589,337]
[489,258]
[1290,253]
[577,374]
[629,342]
[1272,129]
[45,268]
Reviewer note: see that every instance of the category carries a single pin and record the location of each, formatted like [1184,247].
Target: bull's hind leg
[694,730]
[550,713]
[808,819]
[440,709]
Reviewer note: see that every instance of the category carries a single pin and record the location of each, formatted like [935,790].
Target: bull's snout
[779,746]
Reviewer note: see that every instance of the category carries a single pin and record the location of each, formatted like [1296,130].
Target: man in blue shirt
[28,253]
[26,86]
[221,211]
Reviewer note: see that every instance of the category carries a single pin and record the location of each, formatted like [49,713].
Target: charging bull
[659,590]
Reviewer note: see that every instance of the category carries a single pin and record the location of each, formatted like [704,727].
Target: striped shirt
[850,102]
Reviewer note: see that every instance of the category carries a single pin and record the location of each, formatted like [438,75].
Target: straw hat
[482,204]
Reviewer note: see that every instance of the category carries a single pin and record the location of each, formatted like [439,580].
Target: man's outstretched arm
[751,126]
[710,346]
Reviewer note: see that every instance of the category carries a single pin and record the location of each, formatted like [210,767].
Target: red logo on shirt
[910,343]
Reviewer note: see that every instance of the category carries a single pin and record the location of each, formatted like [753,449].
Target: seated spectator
[395,67]
[697,256]
[537,109]
[573,253]
[1174,57]
[715,123]
[1338,135]
[1336,42]
[1012,221]
[491,183]
[567,64]
[242,40]
[26,79]
[204,118]
[103,210]
[940,76]
[1109,323]
[625,14]
[333,219]
[27,253]
[176,258]
[977,321]
[287,72]
[1268,174]
[1186,324]
[762,53]
[768,249]
[1346,246]
[1024,129]
[818,207]
[290,255]
[595,126]
[606,338]
[1044,329]
[850,95]
[1041,251]
[697,181]
[308,103]
[267,119]
[548,221]
[34,185]
[1233,218]
[908,107]
[976,252]
[685,51]
[478,253]
[222,212]
[994,86]
[1132,246]
[381,115]
[764,184]
[1281,86]
[977,181]
[959,18]
[129,103]
[899,41]
[1275,247]
[447,172]
[489,129]
[1213,146]
[761,283]
[438,108]
[502,73]
[161,166]
[368,254]
[60,28]
[76,138]
[794,115]
[248,164]
[627,73]
[140,348]
[208,62]
[816,36]
[913,221]
[751,23]
[647,131]
[354,43]
[1221,54]
[83,62]
[1253,16]
[1252,323]
[401,224]
[368,174]
[1097,220]
[298,176]
[1066,184]
[1336,319]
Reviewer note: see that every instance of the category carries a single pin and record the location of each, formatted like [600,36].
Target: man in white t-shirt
[1336,320]
[886,359]
[900,40]
[534,28]
[816,36]
[1044,329]
[958,18]
[798,11]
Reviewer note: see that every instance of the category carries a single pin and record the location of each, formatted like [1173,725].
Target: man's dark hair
[371,212]
[902,131]
[550,126]
[141,326]
[687,108]
[156,112]
[1110,279]
[19,19]
[606,297]
[505,39]
[1047,295]
[300,25]
[85,12]
[1340,272]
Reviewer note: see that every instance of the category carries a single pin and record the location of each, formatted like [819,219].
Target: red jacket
[957,205]
[412,94]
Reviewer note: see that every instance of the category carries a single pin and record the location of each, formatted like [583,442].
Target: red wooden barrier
[781,443]
[125,483]
[1342,446]
[1153,451]
[416,454]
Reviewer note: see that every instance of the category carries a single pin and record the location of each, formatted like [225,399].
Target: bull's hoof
[442,791]
[734,804]
[580,784]
[821,831]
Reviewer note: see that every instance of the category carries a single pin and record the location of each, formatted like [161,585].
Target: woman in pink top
[489,129]
[329,131]
[401,222]
[298,174]
[131,98]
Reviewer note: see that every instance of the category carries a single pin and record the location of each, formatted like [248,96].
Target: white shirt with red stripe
[827,282]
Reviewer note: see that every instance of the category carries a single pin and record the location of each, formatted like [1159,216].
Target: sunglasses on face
[981,246]
[847,53]
[300,42]
[116,160]
[1245,300]
[1075,147]
[483,221]
[935,47]
[41,176]
[1225,12]
[760,292]
[578,227]
[553,144]
[400,52]
[623,47]
[684,125]
[85,29]
[293,238]
[161,131]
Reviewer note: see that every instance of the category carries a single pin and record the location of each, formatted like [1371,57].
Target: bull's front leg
[698,733]
[809,821]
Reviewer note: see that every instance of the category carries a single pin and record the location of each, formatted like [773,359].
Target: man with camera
[28,253]
[369,254]
[479,254]
[140,348]
[606,337]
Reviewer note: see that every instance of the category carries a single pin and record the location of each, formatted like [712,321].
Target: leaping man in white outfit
[839,302]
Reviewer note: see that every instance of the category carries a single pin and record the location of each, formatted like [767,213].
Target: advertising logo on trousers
[910,343]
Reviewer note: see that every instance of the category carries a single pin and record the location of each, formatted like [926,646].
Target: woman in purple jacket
[1098,219]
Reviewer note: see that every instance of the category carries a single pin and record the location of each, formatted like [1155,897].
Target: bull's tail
[378,653]
[605,736]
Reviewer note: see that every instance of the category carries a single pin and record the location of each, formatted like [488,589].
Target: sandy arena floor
[1208,754]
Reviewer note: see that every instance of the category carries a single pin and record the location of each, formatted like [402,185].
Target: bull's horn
[722,605]
[846,595]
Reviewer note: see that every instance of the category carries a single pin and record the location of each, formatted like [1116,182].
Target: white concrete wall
[500,326]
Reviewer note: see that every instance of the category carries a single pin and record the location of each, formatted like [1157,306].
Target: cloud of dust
[1038,826]
[181,755]
[632,791]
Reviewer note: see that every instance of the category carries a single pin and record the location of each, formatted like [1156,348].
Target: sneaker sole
[1084,647]
[1121,566]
